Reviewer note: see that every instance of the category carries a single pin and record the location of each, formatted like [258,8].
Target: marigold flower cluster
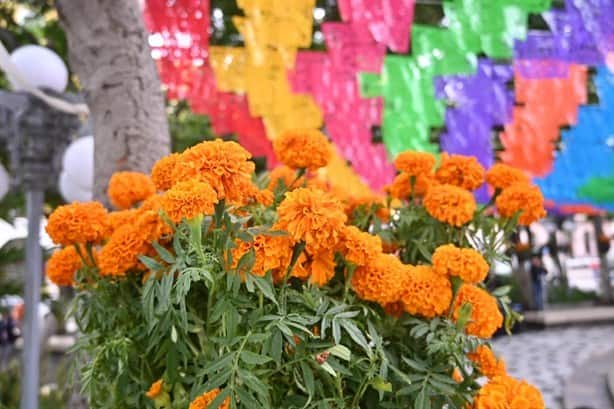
[272,253]
[414,163]
[523,198]
[467,264]
[303,149]
[315,218]
[188,199]
[507,392]
[450,204]
[78,223]
[162,171]
[359,247]
[224,165]
[203,401]
[487,363]
[426,293]
[459,170]
[501,176]
[120,254]
[126,189]
[485,315]
[381,280]
[62,266]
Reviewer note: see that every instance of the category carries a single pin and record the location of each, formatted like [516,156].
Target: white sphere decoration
[78,162]
[41,67]
[71,192]
[5,182]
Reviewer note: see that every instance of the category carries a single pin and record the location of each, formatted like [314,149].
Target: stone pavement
[547,358]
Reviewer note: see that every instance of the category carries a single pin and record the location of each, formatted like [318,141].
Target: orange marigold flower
[152,226]
[524,198]
[204,400]
[162,171]
[155,389]
[312,216]
[186,200]
[485,315]
[507,392]
[501,176]
[462,171]
[302,149]
[360,247]
[62,266]
[401,186]
[153,202]
[381,280]
[121,252]
[467,264]
[415,163]
[425,293]
[264,197]
[128,188]
[78,223]
[322,267]
[120,218]
[224,165]
[486,361]
[450,204]
[287,176]
[272,253]
[457,376]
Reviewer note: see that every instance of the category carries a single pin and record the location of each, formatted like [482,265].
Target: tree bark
[109,52]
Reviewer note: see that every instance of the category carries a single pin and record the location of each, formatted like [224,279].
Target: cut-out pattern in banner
[332,79]
[406,82]
[583,170]
[544,105]
[388,21]
[179,43]
[479,102]
[273,31]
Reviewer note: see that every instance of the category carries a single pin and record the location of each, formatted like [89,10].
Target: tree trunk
[109,52]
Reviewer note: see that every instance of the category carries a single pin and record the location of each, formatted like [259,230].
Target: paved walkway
[547,358]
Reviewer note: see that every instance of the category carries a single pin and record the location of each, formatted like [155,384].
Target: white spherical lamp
[40,67]
[5,182]
[78,162]
[71,192]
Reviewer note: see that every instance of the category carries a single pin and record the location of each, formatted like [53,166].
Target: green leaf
[356,335]
[308,378]
[501,291]
[163,253]
[276,346]
[151,264]
[341,352]
[266,288]
[326,366]
[252,358]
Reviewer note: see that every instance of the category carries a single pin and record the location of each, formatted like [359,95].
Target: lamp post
[36,135]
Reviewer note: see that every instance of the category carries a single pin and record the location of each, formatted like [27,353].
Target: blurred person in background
[537,283]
